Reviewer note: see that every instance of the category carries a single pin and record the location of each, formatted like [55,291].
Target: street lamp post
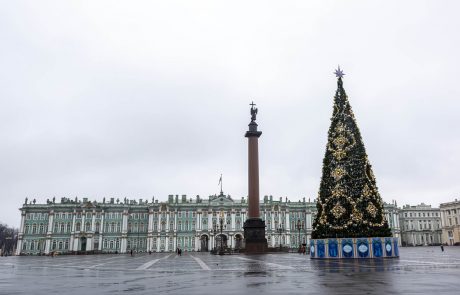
[220,228]
[299,227]
[280,230]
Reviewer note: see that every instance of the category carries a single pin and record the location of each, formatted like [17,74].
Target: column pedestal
[254,235]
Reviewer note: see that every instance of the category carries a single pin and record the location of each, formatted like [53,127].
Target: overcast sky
[140,99]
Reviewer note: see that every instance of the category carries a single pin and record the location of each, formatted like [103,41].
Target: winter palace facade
[119,226]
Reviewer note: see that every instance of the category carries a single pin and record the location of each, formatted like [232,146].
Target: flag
[220,180]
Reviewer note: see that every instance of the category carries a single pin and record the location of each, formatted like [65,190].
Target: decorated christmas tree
[349,204]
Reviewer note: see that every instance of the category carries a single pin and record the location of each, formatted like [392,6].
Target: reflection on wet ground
[424,270]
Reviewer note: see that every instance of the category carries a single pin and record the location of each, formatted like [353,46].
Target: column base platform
[254,236]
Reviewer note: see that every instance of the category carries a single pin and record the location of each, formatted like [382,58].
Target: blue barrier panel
[320,249]
[388,247]
[332,246]
[377,247]
[363,248]
[347,248]
[312,249]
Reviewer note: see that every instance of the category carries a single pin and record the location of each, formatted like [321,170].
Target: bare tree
[8,239]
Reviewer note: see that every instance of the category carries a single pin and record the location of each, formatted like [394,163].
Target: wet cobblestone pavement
[423,270]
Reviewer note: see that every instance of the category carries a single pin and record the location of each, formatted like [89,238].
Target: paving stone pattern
[423,270]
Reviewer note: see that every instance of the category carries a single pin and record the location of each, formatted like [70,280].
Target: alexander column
[254,226]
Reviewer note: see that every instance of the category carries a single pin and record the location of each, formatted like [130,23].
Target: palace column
[49,232]
[21,232]
[254,226]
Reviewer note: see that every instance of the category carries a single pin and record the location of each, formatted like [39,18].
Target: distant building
[420,225]
[450,215]
[141,225]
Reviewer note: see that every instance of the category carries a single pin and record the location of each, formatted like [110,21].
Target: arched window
[142,227]
[112,227]
[118,227]
[111,244]
[180,226]
[68,228]
[87,226]
[60,245]
[105,243]
[27,229]
[62,227]
[118,243]
[78,226]
[98,226]
[32,246]
[129,244]
[41,228]
[66,244]
[24,246]
[56,227]
[129,227]
[136,227]
[34,228]
[54,245]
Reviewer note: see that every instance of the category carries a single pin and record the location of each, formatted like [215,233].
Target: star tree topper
[339,73]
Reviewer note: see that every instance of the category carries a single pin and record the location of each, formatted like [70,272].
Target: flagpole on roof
[220,182]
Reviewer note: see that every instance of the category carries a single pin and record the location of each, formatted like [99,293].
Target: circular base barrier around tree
[344,248]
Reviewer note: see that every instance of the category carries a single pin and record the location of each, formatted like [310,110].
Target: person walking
[131,252]
[442,247]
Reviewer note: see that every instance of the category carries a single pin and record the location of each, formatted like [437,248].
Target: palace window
[62,227]
[88,226]
[78,226]
[66,246]
[54,245]
[118,227]
[111,244]
[105,243]
[118,243]
[112,227]
[60,245]
[98,226]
